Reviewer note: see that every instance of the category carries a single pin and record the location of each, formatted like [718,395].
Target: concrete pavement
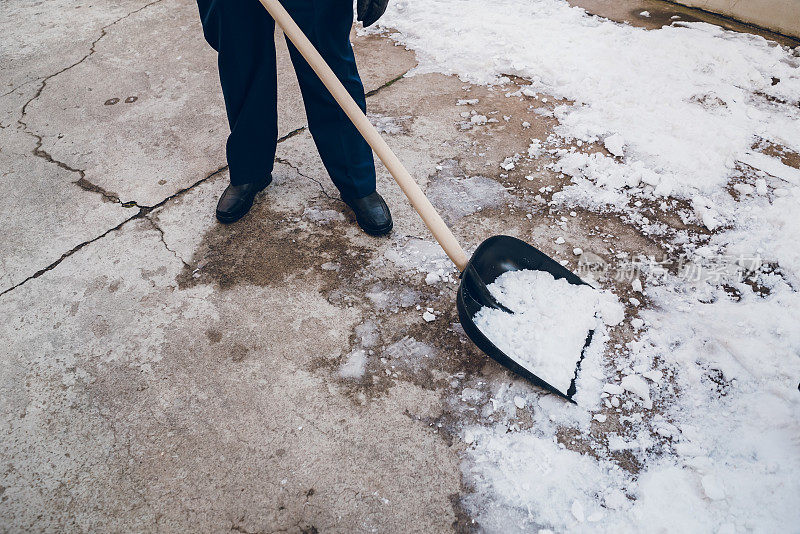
[137,396]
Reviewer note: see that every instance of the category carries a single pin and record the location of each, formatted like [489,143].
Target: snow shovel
[492,258]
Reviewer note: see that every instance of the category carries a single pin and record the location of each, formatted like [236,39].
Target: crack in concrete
[92,50]
[38,151]
[297,170]
[144,211]
[387,84]
[86,185]
[291,134]
[160,231]
[20,86]
[180,192]
[69,253]
[81,182]
[238,528]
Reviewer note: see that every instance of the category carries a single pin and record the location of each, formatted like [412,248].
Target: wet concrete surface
[653,14]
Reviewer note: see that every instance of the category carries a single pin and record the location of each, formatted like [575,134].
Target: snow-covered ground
[705,397]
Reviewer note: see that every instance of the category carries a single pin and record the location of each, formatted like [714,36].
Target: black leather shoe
[372,214]
[237,200]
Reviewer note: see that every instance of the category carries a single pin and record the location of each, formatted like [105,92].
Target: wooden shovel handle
[415,195]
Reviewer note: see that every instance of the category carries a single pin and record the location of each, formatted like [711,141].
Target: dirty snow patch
[322,217]
[355,365]
[772,166]
[388,125]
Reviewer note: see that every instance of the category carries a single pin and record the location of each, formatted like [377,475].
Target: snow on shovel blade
[495,256]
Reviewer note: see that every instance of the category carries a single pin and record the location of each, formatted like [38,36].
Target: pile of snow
[679,108]
[684,99]
[693,425]
[548,329]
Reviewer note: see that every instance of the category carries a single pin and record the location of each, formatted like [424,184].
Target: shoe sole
[228,219]
[377,232]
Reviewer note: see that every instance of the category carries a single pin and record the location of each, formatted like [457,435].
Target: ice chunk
[712,488]
[577,511]
[614,144]
[355,364]
[638,386]
[611,310]
[535,149]
[469,437]
[705,211]
[432,278]
[636,285]
[654,375]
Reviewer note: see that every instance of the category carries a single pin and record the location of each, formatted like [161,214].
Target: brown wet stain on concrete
[268,248]
[214,335]
[787,156]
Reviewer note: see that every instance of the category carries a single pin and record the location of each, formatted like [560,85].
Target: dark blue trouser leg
[242,33]
[347,157]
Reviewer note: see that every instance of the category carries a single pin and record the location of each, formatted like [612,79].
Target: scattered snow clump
[614,144]
[355,365]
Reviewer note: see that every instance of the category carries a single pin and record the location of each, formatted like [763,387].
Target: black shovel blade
[495,256]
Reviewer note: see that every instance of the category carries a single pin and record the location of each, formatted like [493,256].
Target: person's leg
[345,154]
[242,32]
